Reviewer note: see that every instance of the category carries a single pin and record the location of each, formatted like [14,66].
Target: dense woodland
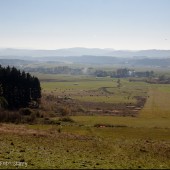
[18,89]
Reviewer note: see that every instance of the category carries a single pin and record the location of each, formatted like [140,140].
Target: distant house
[131,73]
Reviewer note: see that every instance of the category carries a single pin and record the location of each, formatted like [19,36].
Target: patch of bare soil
[120,109]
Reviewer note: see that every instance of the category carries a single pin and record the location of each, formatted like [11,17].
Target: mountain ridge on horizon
[81,51]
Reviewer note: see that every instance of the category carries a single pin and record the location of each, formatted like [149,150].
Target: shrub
[29,118]
[64,111]
[59,130]
[23,116]
[108,125]
[48,121]
[3,102]
[37,114]
[66,119]
[80,109]
[25,111]
[8,116]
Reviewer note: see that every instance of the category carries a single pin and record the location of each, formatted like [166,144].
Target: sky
[55,24]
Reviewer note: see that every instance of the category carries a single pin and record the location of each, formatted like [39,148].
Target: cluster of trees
[144,74]
[18,89]
[123,73]
[162,79]
[55,70]
[119,73]
[102,73]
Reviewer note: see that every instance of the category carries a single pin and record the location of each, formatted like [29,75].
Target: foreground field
[94,140]
[84,147]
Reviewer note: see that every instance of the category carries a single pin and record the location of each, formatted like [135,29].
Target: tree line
[119,73]
[18,89]
[123,73]
[55,70]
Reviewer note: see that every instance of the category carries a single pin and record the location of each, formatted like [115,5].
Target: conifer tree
[18,89]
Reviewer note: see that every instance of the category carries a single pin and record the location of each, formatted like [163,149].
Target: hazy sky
[53,24]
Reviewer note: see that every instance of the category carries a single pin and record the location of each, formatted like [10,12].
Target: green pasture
[158,104]
[134,122]
[155,114]
[97,89]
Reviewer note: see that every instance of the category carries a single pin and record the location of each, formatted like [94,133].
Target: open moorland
[89,122]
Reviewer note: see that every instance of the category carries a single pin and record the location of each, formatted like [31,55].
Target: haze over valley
[84,84]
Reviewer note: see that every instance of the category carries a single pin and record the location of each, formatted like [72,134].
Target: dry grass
[158,105]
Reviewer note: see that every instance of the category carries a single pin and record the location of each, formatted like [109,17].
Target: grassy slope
[144,142]
[85,147]
[158,104]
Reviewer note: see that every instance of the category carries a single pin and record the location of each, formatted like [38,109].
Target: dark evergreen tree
[18,89]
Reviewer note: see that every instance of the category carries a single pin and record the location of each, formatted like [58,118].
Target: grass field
[136,142]
[158,104]
[90,89]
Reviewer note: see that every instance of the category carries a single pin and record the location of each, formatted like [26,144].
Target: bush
[59,130]
[24,115]
[64,111]
[3,102]
[98,125]
[48,121]
[8,116]
[29,118]
[66,119]
[28,115]
[25,111]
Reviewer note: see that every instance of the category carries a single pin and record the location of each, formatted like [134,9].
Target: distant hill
[15,62]
[89,60]
[151,62]
[22,57]
[25,53]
